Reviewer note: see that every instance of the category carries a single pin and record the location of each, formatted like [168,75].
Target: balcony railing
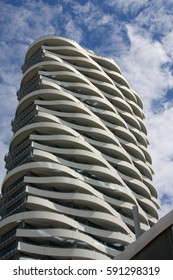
[20,161]
[14,207]
[23,115]
[15,185]
[30,86]
[26,119]
[14,196]
[17,149]
[35,58]
[9,249]
[8,236]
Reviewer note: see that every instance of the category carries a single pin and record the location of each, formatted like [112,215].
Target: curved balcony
[78,160]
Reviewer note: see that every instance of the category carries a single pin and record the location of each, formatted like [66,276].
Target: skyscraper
[78,160]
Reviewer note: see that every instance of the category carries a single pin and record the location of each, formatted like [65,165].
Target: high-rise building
[78,161]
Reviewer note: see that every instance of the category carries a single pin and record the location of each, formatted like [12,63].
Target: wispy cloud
[71,29]
[143,64]
[161,139]
[130,6]
[90,16]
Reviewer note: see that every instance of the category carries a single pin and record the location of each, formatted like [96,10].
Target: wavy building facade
[78,161]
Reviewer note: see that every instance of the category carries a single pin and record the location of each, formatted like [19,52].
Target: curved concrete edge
[147,237]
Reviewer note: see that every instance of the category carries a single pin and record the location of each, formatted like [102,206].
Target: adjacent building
[154,244]
[78,161]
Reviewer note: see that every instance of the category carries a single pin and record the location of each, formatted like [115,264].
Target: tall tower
[78,160]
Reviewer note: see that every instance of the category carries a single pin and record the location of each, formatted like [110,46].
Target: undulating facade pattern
[78,161]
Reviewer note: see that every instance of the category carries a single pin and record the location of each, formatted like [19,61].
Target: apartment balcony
[37,57]
[30,86]
[24,118]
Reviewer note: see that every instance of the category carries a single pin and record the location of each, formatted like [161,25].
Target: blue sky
[137,34]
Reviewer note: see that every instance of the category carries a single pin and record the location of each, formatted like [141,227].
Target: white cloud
[161,138]
[128,6]
[28,21]
[156,18]
[73,31]
[90,15]
[167,43]
[142,64]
